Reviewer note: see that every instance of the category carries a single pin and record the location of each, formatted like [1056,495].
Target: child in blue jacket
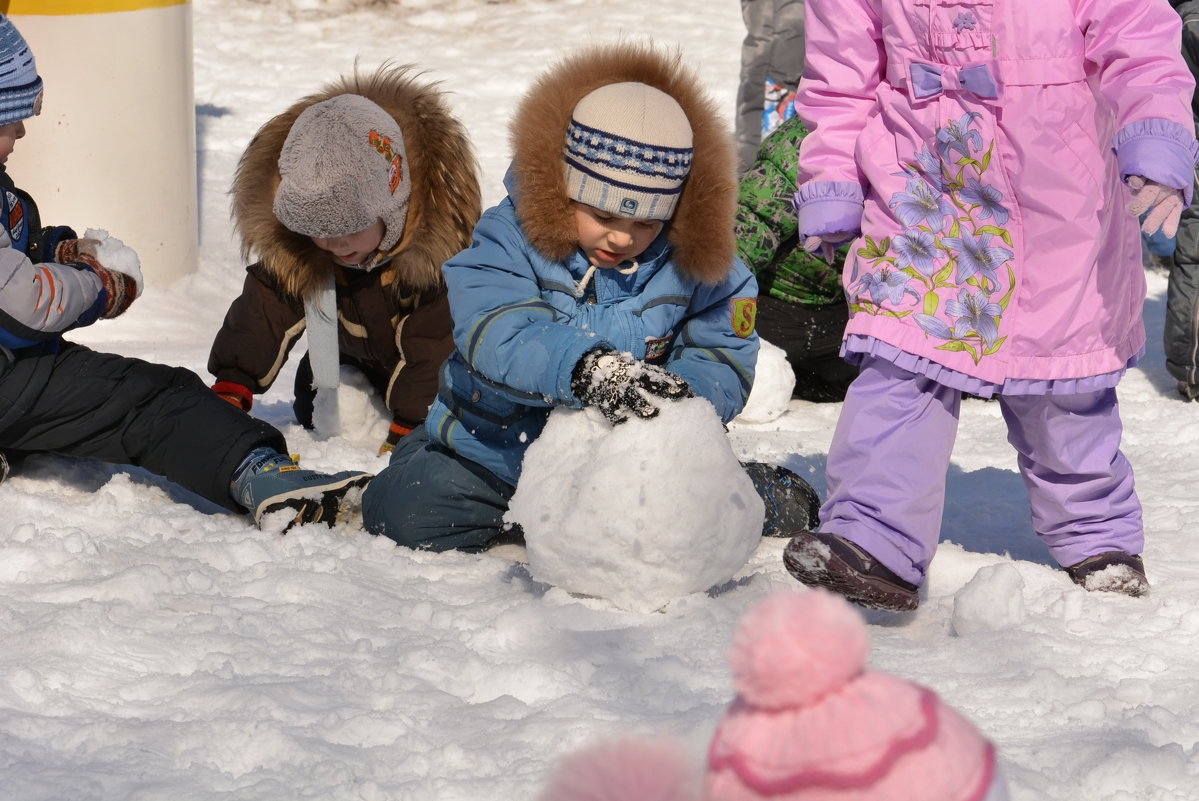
[608,277]
[60,397]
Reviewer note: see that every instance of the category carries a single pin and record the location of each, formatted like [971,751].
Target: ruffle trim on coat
[1160,150]
[828,207]
[858,347]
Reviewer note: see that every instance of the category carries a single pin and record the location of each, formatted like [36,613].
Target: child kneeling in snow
[351,200]
[611,259]
[63,398]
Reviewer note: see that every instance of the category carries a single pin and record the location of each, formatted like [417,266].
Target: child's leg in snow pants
[429,497]
[128,411]
[887,466]
[1080,485]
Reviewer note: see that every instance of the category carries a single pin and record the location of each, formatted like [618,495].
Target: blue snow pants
[431,498]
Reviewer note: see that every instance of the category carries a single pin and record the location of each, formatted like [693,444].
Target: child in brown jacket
[350,201]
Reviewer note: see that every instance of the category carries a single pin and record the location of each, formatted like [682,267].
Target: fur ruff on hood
[701,229]
[442,211]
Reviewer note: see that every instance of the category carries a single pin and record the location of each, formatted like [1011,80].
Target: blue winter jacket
[521,326]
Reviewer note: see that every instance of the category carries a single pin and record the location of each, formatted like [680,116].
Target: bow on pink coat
[930,80]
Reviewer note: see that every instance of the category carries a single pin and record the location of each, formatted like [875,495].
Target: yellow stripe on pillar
[54,7]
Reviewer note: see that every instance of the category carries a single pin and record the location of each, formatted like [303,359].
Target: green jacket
[767,239]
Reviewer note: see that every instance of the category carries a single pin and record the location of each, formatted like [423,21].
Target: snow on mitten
[617,385]
[113,262]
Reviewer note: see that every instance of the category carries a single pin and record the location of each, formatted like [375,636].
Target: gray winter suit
[1181,337]
[774,47]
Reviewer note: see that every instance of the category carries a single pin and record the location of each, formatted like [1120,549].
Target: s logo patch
[744,313]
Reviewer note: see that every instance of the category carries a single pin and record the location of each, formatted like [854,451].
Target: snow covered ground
[153,647]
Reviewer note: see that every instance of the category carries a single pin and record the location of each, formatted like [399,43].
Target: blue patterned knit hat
[20,85]
[628,151]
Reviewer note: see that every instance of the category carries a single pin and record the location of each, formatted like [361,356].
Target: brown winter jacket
[394,322]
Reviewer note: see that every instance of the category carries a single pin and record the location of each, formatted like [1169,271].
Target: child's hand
[1161,204]
[237,394]
[112,261]
[618,385]
[395,432]
[827,244]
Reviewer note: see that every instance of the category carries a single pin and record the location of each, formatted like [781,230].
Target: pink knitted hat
[811,723]
[632,769]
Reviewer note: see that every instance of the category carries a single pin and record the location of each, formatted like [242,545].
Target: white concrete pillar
[115,144]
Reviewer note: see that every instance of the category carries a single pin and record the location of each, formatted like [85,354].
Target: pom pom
[625,770]
[792,649]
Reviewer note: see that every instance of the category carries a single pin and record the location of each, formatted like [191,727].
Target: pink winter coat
[979,147]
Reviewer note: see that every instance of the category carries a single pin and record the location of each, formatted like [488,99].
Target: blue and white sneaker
[268,481]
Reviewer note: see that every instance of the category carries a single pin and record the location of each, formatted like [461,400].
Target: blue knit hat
[20,86]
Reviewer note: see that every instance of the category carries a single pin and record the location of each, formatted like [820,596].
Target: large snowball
[640,513]
[774,381]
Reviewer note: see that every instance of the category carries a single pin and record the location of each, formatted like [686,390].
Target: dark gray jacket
[1181,334]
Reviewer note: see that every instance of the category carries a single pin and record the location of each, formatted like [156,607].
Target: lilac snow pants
[889,458]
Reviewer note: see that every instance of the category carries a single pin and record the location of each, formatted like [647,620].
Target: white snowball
[116,255]
[355,412]
[992,600]
[774,381]
[641,513]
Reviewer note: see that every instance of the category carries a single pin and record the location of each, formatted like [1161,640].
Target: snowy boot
[3,467]
[1114,571]
[818,559]
[791,503]
[268,481]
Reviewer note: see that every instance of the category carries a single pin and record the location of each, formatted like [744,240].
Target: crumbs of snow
[774,381]
[1113,578]
[991,601]
[640,513]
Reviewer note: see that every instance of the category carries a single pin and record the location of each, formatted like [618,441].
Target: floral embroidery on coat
[950,259]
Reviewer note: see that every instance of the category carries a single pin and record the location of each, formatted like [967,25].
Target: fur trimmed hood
[442,211]
[701,230]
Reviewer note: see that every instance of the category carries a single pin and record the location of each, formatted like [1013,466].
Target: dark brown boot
[1114,571]
[825,560]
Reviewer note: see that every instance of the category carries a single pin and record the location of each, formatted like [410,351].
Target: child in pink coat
[986,155]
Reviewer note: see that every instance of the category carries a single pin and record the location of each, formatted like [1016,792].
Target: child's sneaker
[268,481]
[791,503]
[825,560]
[1114,571]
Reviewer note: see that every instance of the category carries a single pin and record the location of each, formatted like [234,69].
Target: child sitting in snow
[350,200]
[62,398]
[988,155]
[607,278]
[802,307]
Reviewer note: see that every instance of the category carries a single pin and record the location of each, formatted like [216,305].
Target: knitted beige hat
[628,151]
[343,166]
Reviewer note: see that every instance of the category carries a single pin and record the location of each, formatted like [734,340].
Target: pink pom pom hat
[632,769]
[812,723]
